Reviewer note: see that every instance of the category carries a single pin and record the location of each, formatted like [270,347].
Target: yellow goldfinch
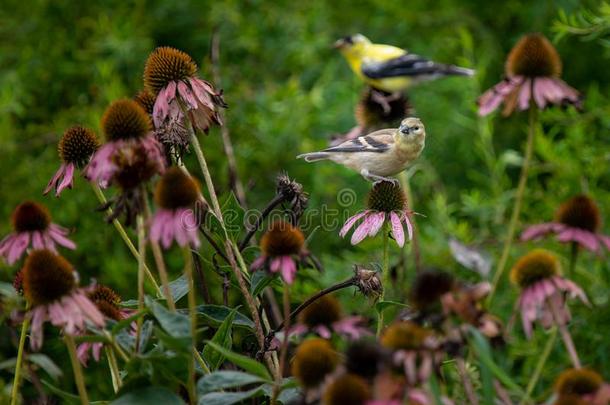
[391,69]
[379,154]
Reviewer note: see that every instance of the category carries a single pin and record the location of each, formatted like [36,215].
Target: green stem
[17,380]
[539,367]
[385,273]
[573,259]
[119,227]
[277,388]
[512,227]
[141,265]
[78,371]
[201,362]
[188,274]
[114,369]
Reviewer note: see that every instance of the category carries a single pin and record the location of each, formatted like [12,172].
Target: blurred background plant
[63,62]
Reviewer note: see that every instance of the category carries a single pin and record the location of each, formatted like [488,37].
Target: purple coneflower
[533,70]
[108,303]
[578,386]
[415,348]
[283,248]
[76,147]
[32,227]
[347,389]
[313,360]
[542,290]
[577,220]
[324,316]
[386,202]
[50,286]
[171,75]
[176,195]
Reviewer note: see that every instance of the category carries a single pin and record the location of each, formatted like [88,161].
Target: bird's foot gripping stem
[384,99]
[377,179]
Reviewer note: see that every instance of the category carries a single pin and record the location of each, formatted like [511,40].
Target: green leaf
[223,338]
[149,395]
[224,379]
[229,398]
[248,364]
[45,362]
[258,282]
[179,288]
[381,306]
[216,314]
[174,323]
[489,366]
[233,215]
[123,323]
[67,397]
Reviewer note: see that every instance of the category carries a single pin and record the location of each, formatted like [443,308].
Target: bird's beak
[339,44]
[405,129]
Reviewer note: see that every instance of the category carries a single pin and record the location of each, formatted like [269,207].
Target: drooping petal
[397,230]
[362,230]
[537,231]
[377,219]
[57,234]
[67,180]
[55,179]
[289,269]
[258,263]
[350,223]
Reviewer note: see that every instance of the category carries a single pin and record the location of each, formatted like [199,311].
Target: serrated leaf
[174,323]
[216,314]
[224,379]
[149,395]
[45,362]
[223,338]
[229,398]
[250,365]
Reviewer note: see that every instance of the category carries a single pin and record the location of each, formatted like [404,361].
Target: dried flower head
[371,114]
[47,277]
[364,358]
[18,282]
[134,165]
[570,400]
[30,216]
[579,212]
[146,100]
[387,197]
[125,119]
[581,381]
[166,64]
[533,56]
[77,145]
[537,265]
[107,301]
[324,311]
[347,389]
[428,288]
[176,189]
[368,282]
[313,360]
[405,335]
[282,239]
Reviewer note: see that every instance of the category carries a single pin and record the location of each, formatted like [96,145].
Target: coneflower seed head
[428,288]
[371,115]
[537,265]
[166,64]
[107,301]
[47,277]
[77,145]
[533,56]
[125,119]
[363,358]
[176,189]
[405,335]
[347,389]
[581,381]
[30,216]
[135,167]
[324,311]
[282,239]
[580,212]
[387,197]
[313,360]
[146,100]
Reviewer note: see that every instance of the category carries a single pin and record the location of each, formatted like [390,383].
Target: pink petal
[258,263]
[377,220]
[539,230]
[18,247]
[276,264]
[362,230]
[57,233]
[187,95]
[323,331]
[397,231]
[55,179]
[350,222]
[525,95]
[289,269]
[67,180]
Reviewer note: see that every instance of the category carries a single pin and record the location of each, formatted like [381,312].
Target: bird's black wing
[410,65]
[377,142]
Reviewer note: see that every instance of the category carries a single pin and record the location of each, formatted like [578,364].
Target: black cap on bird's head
[351,41]
[411,125]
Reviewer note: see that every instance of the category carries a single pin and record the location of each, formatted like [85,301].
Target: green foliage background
[63,62]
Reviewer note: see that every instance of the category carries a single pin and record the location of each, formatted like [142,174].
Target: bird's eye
[416,128]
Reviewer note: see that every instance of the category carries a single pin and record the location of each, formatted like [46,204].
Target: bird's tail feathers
[313,156]
[457,70]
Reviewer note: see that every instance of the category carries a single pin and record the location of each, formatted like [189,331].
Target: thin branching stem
[19,366]
[78,371]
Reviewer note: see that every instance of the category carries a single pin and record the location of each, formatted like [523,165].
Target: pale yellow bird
[389,68]
[380,154]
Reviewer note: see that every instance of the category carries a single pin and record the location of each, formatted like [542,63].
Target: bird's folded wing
[405,65]
[378,141]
